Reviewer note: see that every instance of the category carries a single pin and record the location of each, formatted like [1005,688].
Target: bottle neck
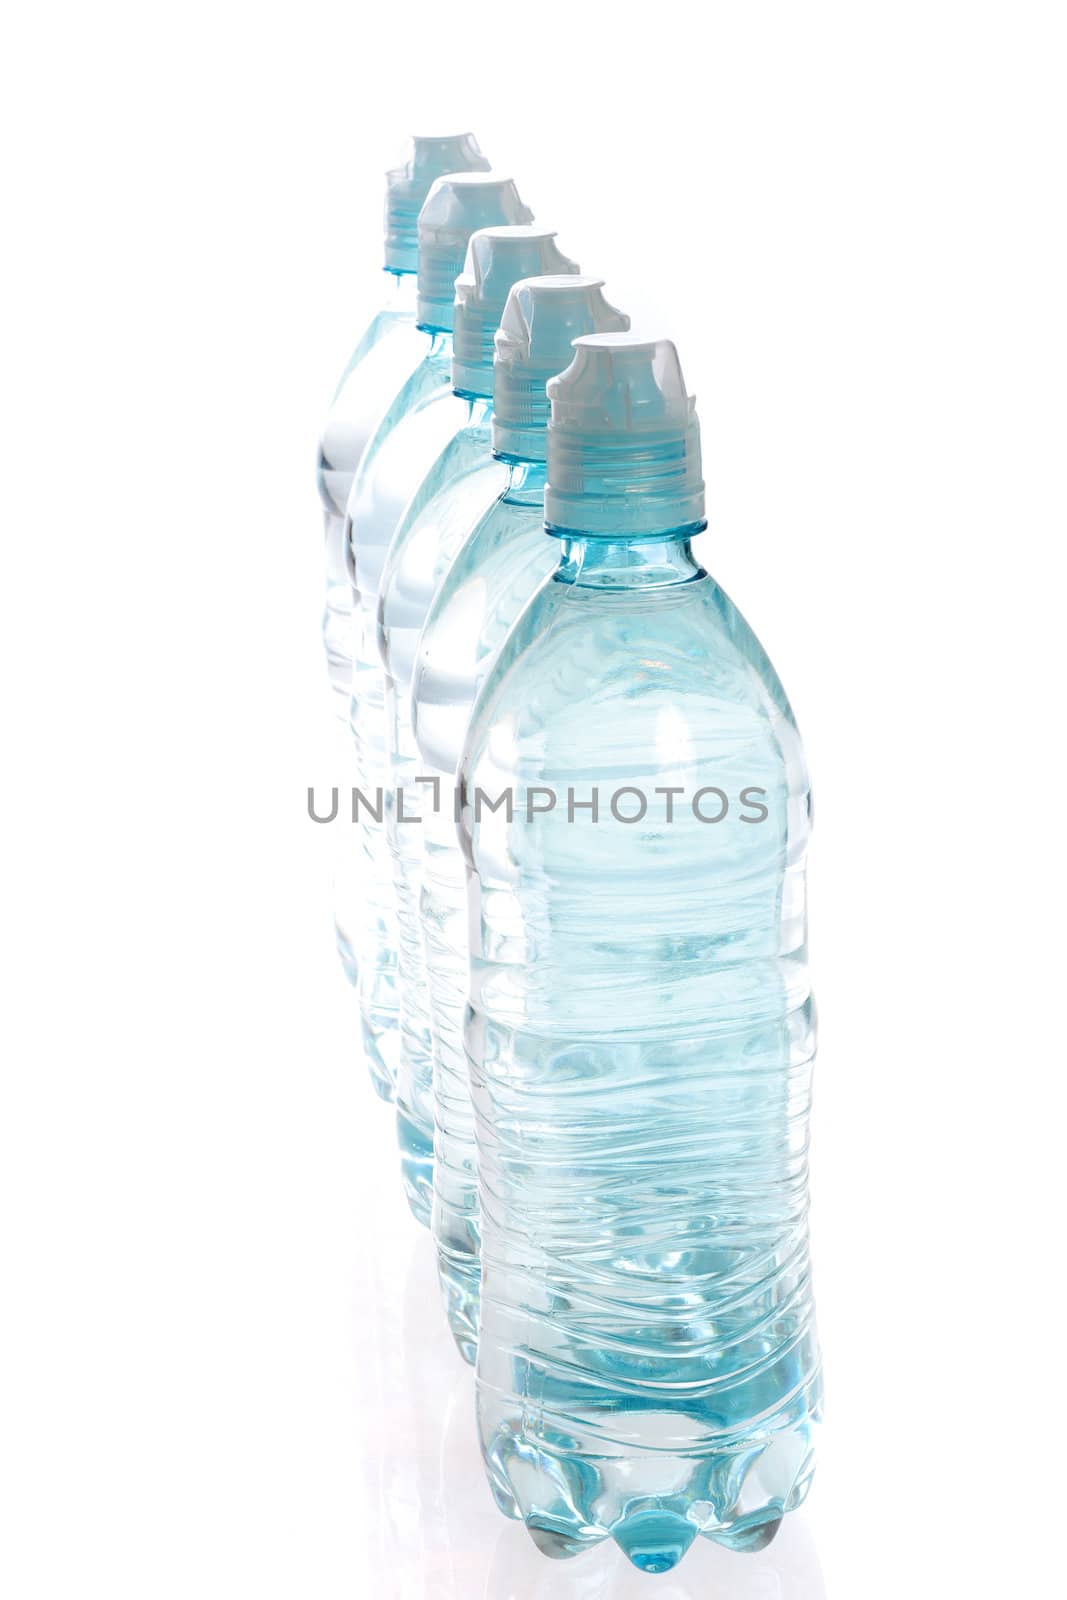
[653,561]
[526,482]
[471,384]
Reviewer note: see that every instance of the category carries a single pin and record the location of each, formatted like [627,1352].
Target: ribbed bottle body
[640,1038]
[407,440]
[503,560]
[460,485]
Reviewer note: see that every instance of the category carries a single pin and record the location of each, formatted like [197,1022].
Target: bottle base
[736,1498]
[652,1541]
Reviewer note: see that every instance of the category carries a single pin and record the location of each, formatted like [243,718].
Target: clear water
[504,558]
[463,483]
[383,359]
[640,1040]
[423,417]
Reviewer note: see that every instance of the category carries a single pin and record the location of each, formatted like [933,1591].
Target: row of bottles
[578,931]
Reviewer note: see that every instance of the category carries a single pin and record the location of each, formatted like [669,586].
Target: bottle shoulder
[407,441]
[452,494]
[504,558]
[584,664]
[461,484]
[504,544]
[386,327]
[463,475]
[379,367]
[417,413]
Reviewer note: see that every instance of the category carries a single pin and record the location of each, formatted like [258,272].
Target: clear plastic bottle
[504,557]
[460,486]
[641,1027]
[422,417]
[386,354]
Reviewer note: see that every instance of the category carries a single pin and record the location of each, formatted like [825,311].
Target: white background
[225,1370]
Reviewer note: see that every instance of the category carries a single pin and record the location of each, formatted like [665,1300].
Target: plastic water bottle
[385,355]
[420,420]
[461,485]
[641,1026]
[504,557]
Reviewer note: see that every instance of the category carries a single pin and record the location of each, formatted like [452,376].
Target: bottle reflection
[436,1534]
[434,1522]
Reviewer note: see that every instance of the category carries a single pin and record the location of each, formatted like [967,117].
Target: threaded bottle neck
[472,385]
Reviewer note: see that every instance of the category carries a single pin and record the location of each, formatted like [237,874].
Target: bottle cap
[406,188]
[623,440]
[457,206]
[496,259]
[539,323]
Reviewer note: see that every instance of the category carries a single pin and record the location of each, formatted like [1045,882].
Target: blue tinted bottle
[464,480]
[502,560]
[641,1027]
[386,354]
[422,417]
